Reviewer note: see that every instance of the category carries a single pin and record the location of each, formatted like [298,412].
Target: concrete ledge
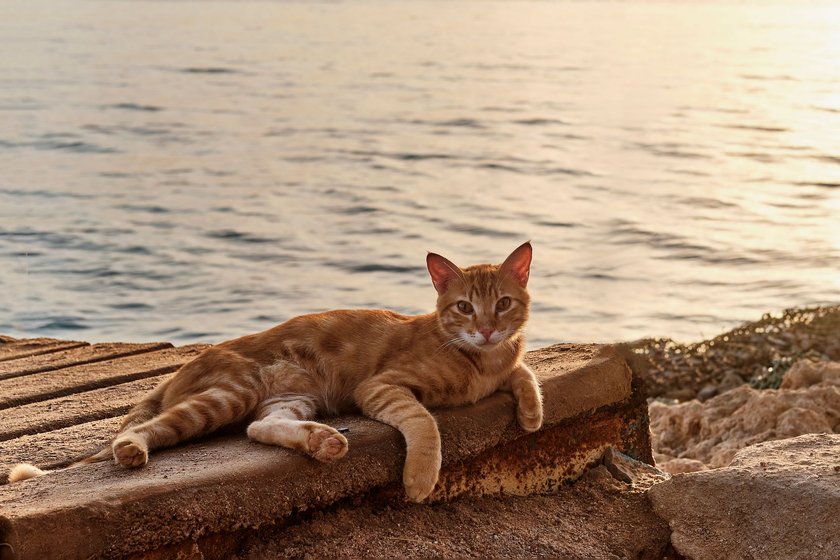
[15,391]
[202,494]
[78,355]
[14,349]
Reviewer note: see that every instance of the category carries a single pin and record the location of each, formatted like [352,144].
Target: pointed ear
[518,263]
[442,270]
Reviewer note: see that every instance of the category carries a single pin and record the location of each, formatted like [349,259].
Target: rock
[707,393]
[681,466]
[627,469]
[777,500]
[602,477]
[713,431]
[806,373]
[731,380]
[679,394]
[781,342]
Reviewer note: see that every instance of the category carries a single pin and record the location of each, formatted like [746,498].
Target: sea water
[194,171]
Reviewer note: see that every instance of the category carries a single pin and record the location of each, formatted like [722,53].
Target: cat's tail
[24,471]
[145,410]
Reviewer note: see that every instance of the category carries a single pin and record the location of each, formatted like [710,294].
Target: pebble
[707,393]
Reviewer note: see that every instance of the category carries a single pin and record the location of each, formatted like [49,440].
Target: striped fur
[391,367]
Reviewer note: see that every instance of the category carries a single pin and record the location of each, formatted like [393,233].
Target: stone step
[198,495]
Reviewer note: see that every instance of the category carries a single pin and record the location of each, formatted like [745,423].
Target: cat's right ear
[442,270]
[518,263]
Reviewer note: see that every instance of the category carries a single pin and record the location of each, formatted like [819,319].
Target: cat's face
[485,305]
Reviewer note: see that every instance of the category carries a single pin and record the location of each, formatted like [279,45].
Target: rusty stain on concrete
[540,462]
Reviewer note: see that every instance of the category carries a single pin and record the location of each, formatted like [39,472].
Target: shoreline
[756,353]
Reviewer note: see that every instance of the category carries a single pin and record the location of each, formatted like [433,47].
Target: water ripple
[208,70]
[238,236]
[376,267]
[135,107]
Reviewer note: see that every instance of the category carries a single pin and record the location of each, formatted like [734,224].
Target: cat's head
[485,305]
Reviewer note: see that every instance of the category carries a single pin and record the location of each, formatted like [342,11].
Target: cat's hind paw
[326,444]
[130,451]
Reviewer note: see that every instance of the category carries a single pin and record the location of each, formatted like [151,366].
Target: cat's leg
[398,407]
[526,390]
[284,420]
[196,415]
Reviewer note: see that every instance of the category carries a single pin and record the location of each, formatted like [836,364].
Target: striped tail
[102,455]
[24,471]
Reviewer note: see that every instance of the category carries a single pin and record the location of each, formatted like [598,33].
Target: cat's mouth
[480,342]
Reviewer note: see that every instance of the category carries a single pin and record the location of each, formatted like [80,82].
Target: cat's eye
[503,304]
[465,307]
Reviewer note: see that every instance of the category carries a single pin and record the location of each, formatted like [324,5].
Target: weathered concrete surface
[57,448]
[13,348]
[56,383]
[592,376]
[225,485]
[74,356]
[95,381]
[54,414]
[777,500]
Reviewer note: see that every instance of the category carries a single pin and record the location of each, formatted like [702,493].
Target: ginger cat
[391,367]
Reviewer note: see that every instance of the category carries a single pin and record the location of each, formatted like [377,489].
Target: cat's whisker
[457,342]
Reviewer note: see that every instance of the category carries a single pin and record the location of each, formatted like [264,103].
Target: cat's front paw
[529,413]
[421,474]
[130,451]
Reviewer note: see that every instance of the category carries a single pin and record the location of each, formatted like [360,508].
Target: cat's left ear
[518,263]
[442,270]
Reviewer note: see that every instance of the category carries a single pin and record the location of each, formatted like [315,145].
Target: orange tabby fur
[391,367]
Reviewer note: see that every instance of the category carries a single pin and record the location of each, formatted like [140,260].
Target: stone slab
[49,385]
[228,483]
[78,408]
[57,448]
[14,348]
[591,369]
[74,356]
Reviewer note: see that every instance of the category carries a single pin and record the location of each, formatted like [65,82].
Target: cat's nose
[487,333]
